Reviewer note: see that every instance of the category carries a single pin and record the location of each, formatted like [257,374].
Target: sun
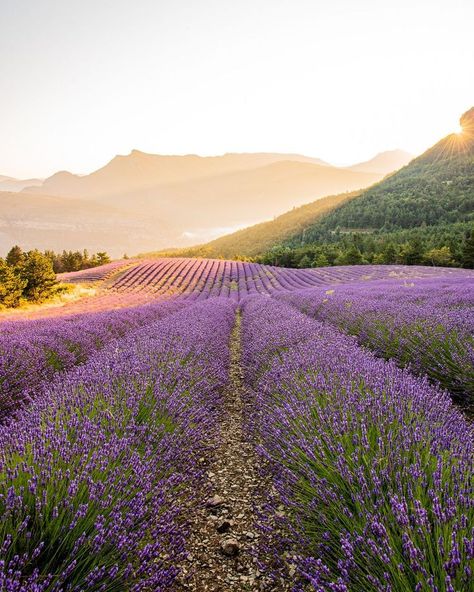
[458,130]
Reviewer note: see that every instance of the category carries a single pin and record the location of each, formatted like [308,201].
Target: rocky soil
[223,543]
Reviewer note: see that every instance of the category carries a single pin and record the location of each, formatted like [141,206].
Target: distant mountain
[185,198]
[139,170]
[12,184]
[167,201]
[199,206]
[384,162]
[51,222]
[435,189]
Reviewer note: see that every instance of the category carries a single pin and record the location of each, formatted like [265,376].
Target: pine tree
[15,256]
[304,262]
[103,258]
[11,286]
[37,271]
[467,252]
[352,256]
[411,253]
[321,261]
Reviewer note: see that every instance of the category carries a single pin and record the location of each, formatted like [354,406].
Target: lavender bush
[427,325]
[373,467]
[97,472]
[31,352]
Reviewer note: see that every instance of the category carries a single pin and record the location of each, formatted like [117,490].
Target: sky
[84,80]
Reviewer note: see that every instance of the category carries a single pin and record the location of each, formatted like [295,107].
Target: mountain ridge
[183,198]
[435,188]
[130,169]
[384,162]
[163,169]
[12,184]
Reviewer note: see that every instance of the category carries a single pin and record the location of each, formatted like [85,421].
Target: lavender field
[220,425]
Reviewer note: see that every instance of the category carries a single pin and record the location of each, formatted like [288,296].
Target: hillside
[435,188]
[434,191]
[205,207]
[384,163]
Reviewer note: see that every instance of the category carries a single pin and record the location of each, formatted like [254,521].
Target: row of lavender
[98,471]
[199,278]
[427,324]
[32,352]
[372,467]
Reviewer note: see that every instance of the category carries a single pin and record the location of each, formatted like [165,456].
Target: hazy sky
[83,80]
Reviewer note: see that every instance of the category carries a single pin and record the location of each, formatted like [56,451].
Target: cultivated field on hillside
[220,425]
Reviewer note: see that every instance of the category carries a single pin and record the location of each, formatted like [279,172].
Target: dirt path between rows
[223,541]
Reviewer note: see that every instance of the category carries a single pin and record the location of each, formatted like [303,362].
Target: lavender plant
[97,473]
[32,352]
[427,324]
[373,467]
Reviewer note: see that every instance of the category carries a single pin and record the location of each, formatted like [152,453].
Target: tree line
[76,260]
[26,277]
[31,276]
[453,248]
